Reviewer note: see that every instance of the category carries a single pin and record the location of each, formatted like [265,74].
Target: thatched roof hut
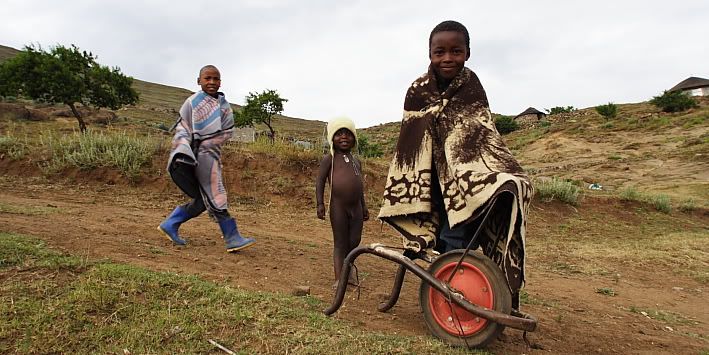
[694,86]
[531,112]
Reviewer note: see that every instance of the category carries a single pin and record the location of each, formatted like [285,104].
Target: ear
[197,80]
[467,56]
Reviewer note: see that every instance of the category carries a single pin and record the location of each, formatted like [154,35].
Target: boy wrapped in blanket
[206,122]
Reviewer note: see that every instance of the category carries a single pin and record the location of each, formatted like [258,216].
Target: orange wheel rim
[475,286]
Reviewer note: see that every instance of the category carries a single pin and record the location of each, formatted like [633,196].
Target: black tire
[479,272]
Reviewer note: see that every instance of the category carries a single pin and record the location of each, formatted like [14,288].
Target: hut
[693,86]
[529,117]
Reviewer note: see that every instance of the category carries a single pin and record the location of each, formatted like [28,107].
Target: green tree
[260,108]
[368,149]
[609,110]
[506,124]
[560,109]
[68,76]
[674,101]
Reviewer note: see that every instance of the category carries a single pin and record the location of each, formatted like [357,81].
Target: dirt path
[294,249]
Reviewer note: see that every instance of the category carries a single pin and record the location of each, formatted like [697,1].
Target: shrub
[13,147]
[560,109]
[630,194]
[688,205]
[674,101]
[506,124]
[660,202]
[609,110]
[93,150]
[559,189]
[368,149]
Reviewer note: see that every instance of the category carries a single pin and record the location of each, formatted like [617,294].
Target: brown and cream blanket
[451,134]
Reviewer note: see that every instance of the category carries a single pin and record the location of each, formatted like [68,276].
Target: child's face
[343,140]
[210,81]
[448,53]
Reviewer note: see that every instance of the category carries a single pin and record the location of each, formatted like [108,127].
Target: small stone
[677,288]
[301,291]
[668,328]
[381,296]
[240,263]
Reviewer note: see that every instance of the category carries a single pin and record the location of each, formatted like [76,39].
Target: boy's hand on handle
[321,211]
[365,215]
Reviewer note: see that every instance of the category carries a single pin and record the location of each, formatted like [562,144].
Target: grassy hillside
[7,52]
[159,104]
[641,148]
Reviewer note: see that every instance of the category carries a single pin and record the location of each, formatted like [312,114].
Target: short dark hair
[208,66]
[452,26]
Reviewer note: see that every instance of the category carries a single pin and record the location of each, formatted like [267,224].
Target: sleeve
[182,140]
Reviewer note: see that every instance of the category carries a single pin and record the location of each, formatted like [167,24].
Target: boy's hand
[365,215]
[321,211]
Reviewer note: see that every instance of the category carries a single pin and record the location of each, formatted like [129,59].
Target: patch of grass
[527,137]
[687,205]
[26,210]
[93,149]
[284,150]
[615,157]
[695,121]
[606,291]
[13,147]
[660,202]
[279,184]
[662,316]
[104,308]
[559,189]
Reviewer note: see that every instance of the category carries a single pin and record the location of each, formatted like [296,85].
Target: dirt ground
[294,249]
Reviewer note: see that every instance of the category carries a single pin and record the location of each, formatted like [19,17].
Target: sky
[357,58]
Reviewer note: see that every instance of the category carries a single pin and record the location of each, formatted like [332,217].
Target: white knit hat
[334,125]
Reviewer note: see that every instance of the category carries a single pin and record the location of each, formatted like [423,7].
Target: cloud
[357,58]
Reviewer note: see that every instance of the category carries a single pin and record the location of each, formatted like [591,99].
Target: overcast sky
[357,58]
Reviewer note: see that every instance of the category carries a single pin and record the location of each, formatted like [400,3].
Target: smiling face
[343,141]
[448,53]
[210,80]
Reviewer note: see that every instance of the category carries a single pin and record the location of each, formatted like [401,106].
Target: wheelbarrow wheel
[482,283]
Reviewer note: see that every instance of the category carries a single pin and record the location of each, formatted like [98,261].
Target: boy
[450,163]
[348,210]
[206,122]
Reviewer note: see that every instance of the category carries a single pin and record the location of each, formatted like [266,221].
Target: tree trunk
[77,114]
[273,132]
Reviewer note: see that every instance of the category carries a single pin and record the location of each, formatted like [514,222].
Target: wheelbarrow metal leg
[395,290]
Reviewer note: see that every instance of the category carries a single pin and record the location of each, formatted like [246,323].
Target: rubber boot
[234,241]
[172,223]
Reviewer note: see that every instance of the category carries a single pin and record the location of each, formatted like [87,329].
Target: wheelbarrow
[464,296]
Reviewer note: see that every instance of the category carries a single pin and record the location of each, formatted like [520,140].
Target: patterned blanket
[449,139]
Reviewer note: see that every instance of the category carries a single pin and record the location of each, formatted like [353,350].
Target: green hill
[159,104]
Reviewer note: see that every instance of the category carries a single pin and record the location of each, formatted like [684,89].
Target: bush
[559,189]
[560,109]
[674,101]
[368,149]
[93,150]
[660,202]
[609,110]
[506,124]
